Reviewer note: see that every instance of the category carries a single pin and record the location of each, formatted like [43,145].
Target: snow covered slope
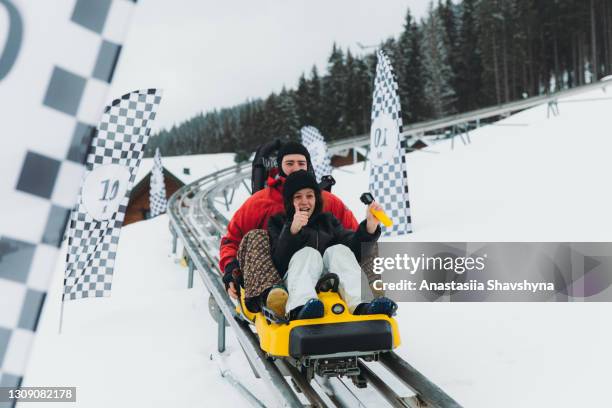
[149,344]
[526,178]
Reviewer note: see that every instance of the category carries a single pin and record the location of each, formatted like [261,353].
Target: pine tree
[409,69]
[391,50]
[469,62]
[362,86]
[288,113]
[448,16]
[281,119]
[315,104]
[439,92]
[490,46]
[301,101]
[333,96]
[352,113]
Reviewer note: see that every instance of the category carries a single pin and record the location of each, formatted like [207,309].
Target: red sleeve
[340,211]
[237,227]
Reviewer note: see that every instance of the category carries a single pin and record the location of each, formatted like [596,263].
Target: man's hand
[300,218]
[229,280]
[371,221]
[231,290]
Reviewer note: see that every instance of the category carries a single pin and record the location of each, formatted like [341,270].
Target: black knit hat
[298,180]
[295,182]
[291,148]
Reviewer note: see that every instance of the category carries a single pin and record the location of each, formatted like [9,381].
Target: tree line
[459,57]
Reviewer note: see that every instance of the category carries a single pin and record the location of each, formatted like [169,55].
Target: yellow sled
[338,332]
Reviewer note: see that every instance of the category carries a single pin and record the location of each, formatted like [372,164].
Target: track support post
[221,333]
[174,239]
[190,273]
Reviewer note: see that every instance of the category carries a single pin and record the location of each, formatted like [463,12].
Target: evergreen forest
[461,56]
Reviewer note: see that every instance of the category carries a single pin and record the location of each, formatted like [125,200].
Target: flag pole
[61,319]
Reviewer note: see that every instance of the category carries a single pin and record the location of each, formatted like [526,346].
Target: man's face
[294,162]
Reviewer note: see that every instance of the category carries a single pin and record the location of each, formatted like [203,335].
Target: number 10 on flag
[103,190]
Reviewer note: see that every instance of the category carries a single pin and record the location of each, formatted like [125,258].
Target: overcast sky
[208,54]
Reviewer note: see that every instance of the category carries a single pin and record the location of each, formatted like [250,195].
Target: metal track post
[174,239]
[226,200]
[365,160]
[221,333]
[190,274]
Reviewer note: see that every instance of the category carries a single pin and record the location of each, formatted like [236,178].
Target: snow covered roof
[188,168]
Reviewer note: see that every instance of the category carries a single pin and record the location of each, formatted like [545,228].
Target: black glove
[232,274]
[227,278]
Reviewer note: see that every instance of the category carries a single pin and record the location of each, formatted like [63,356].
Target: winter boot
[381,305]
[277,299]
[313,309]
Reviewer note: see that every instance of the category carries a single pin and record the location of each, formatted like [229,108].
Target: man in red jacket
[257,210]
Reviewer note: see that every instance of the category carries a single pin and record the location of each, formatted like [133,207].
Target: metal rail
[472,116]
[199,254]
[313,397]
[417,382]
[387,392]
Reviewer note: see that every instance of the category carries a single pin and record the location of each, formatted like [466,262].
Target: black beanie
[295,182]
[298,180]
[291,148]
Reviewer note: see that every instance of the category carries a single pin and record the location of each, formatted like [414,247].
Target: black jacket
[322,231]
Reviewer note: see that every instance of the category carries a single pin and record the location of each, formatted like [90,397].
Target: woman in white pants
[307,243]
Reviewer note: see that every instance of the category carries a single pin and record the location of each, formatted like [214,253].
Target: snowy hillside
[149,344]
[526,178]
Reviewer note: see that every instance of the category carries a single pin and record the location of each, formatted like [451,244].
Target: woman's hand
[300,218]
[371,221]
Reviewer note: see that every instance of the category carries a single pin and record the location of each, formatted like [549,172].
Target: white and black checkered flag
[314,142]
[112,165]
[388,175]
[51,98]
[157,195]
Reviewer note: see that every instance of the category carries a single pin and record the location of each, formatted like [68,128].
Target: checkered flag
[112,165]
[157,196]
[54,89]
[388,175]
[319,155]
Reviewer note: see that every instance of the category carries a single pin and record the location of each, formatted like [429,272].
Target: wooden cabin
[138,207]
[178,171]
